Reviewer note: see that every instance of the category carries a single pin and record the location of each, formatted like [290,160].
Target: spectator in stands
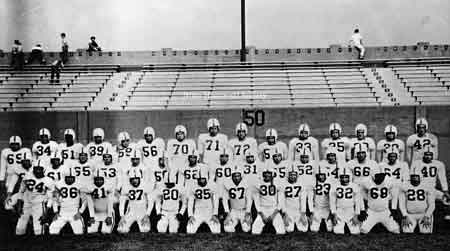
[36,54]
[64,48]
[357,42]
[17,56]
[93,46]
[56,67]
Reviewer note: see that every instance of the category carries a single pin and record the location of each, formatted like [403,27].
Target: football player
[152,147]
[269,201]
[271,146]
[135,166]
[211,144]
[381,193]
[44,147]
[361,139]
[321,209]
[338,142]
[69,149]
[278,164]
[361,167]
[13,191]
[223,170]
[98,146]
[419,141]
[295,202]
[192,170]
[417,204]
[159,171]
[431,171]
[241,144]
[124,148]
[251,166]
[332,166]
[345,204]
[304,141]
[102,196]
[67,204]
[137,193]
[237,202]
[36,191]
[203,205]
[167,197]
[180,147]
[54,171]
[11,160]
[386,145]
[110,170]
[82,168]
[396,169]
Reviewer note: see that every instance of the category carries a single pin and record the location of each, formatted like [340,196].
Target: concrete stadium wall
[286,121]
[255,55]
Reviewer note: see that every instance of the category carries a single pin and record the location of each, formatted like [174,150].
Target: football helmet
[15,143]
[304,131]
[421,126]
[360,131]
[390,131]
[271,136]
[69,134]
[149,134]
[335,130]
[241,130]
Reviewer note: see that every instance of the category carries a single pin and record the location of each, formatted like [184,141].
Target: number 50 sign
[253,117]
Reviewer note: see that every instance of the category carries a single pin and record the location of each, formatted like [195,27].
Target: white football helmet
[241,127]
[70,131]
[272,133]
[15,139]
[361,127]
[180,128]
[335,126]
[422,121]
[390,128]
[123,136]
[149,131]
[98,132]
[213,122]
[44,131]
[304,127]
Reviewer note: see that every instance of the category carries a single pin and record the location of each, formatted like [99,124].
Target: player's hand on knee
[303,219]
[362,216]
[355,220]
[179,216]
[122,223]
[333,218]
[228,220]
[223,216]
[272,216]
[426,221]
[145,221]
[158,216]
[215,219]
[91,221]
[108,221]
[287,220]
[191,220]
[77,216]
[248,218]
[396,214]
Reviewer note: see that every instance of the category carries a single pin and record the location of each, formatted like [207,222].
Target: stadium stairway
[393,86]
[386,96]
[114,93]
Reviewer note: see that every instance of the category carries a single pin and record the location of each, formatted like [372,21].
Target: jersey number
[292,191]
[268,190]
[153,151]
[375,192]
[347,192]
[170,194]
[232,193]
[41,150]
[416,194]
[66,192]
[429,172]
[202,194]
[135,194]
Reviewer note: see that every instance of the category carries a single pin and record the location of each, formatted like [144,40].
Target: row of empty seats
[429,84]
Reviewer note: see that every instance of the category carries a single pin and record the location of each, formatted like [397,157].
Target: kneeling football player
[295,202]
[417,203]
[237,202]
[68,199]
[136,193]
[345,204]
[268,199]
[167,197]
[103,199]
[203,205]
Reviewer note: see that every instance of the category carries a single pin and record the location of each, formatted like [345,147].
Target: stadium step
[394,87]
[117,91]
[375,81]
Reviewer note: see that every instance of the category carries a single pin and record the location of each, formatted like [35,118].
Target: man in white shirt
[356,41]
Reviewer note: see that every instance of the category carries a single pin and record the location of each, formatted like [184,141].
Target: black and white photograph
[224,125]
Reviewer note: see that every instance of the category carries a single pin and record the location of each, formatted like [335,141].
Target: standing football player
[69,149]
[36,191]
[241,144]
[13,191]
[269,201]
[345,204]
[152,147]
[397,170]
[203,205]
[295,202]
[304,141]
[137,193]
[416,143]
[167,197]
[11,159]
[237,202]
[362,139]
[44,147]
[271,146]
[126,172]
[386,145]
[102,196]
[180,147]
[337,143]
[124,148]
[211,144]
[98,146]
[381,193]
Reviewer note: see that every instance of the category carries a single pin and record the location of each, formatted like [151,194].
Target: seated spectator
[93,46]
[64,48]
[356,41]
[36,54]
[56,67]
[17,56]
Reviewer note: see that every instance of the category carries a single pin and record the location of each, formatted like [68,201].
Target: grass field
[379,240]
